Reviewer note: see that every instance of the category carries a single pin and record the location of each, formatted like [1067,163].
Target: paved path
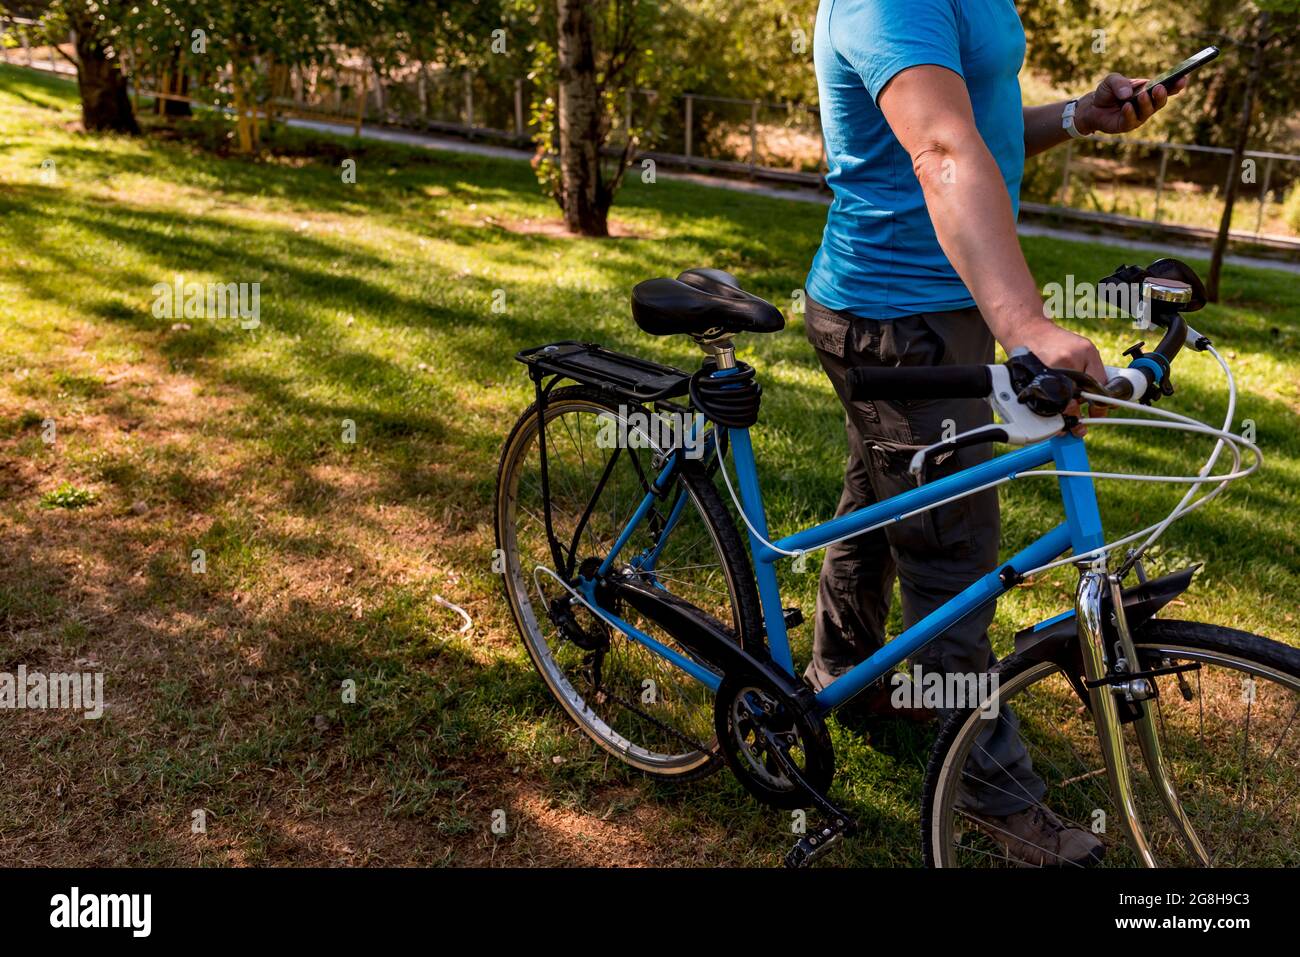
[1167,249]
[796,194]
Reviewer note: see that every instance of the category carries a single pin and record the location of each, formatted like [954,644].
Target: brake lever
[1021,423]
[1121,385]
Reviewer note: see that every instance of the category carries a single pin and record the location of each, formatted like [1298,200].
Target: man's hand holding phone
[1120,104]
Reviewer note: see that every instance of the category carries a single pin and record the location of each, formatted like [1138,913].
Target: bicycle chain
[619,699]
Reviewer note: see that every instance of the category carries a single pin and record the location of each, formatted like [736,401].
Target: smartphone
[1170,77]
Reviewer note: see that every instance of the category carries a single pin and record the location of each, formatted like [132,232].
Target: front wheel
[1229,731]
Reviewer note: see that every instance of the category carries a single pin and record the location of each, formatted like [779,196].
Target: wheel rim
[690,566]
[1244,811]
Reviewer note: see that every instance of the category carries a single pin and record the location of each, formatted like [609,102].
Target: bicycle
[656,621]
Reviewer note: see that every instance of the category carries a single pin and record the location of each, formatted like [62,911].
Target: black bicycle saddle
[705,303]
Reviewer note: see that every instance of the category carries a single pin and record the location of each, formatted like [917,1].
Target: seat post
[721,349]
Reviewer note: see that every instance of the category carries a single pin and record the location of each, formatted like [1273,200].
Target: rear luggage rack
[621,374]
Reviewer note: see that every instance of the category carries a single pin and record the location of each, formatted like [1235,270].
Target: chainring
[745,707]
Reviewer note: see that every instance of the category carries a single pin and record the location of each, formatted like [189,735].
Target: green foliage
[1291,209]
[67,496]
[1077,42]
[746,49]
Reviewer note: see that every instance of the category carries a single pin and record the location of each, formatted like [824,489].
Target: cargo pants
[933,555]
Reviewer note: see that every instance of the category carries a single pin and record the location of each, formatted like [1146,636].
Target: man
[926,139]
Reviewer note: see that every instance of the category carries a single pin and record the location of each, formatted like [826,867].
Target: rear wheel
[1230,732]
[627,698]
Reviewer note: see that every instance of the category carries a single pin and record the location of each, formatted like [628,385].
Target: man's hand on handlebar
[1059,348]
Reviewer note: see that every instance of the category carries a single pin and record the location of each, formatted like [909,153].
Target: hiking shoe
[1035,837]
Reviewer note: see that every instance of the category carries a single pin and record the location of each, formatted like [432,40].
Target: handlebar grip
[919,382]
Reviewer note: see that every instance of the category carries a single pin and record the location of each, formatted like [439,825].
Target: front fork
[1103,671]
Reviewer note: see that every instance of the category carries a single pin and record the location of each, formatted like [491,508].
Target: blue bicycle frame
[1081,531]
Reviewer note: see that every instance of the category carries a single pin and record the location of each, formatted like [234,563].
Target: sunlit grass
[323,555]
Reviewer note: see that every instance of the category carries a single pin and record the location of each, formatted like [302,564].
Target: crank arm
[810,847]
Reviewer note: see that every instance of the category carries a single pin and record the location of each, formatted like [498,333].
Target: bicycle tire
[730,548]
[1227,644]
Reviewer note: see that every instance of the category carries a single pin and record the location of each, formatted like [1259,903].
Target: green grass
[321,557]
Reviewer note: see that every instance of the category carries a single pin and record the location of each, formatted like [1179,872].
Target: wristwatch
[1067,121]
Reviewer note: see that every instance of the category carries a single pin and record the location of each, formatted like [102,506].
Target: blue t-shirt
[879,256]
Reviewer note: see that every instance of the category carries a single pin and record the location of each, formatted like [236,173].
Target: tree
[583,196]
[116,45]
[1256,44]
[589,59]
[1264,35]
[105,104]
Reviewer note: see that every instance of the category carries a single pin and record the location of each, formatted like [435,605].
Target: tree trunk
[1238,151]
[105,105]
[586,209]
[243,120]
[180,86]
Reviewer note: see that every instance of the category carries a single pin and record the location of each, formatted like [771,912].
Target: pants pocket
[826,330]
[946,529]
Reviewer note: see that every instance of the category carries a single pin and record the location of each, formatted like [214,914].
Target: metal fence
[1176,186]
[1120,181]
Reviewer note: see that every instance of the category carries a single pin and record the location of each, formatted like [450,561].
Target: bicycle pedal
[809,848]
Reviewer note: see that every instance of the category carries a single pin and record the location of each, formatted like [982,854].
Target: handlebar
[1155,369]
[1030,398]
[1052,386]
[919,382]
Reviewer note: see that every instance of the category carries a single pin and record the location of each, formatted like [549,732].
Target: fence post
[27,46]
[690,122]
[1263,195]
[521,128]
[1065,174]
[362,78]
[753,136]
[381,99]
[1160,181]
[469,101]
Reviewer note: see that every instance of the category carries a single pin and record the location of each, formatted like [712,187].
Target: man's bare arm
[929,111]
